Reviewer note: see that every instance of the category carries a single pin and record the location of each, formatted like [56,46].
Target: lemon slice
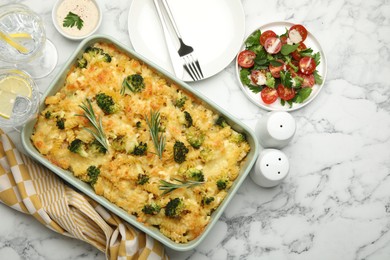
[20,35]
[10,88]
[13,43]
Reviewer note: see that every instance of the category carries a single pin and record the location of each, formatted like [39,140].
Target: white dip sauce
[86,9]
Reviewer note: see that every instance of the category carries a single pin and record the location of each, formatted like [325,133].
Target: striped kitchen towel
[32,189]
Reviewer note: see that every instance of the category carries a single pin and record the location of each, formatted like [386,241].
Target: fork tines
[191,65]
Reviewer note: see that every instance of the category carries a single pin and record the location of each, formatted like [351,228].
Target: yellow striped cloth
[32,189]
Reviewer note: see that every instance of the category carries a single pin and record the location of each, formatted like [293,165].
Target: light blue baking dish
[58,82]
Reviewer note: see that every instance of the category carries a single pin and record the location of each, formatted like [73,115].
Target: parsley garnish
[73,20]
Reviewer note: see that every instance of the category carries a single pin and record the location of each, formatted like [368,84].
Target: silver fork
[190,61]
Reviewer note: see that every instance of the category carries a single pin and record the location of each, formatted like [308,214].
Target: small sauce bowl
[88,10]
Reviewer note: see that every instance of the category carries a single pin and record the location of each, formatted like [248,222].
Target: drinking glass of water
[23,41]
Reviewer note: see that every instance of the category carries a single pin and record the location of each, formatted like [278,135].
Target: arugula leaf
[253,39]
[261,58]
[275,63]
[72,20]
[317,77]
[285,78]
[287,49]
[302,95]
[317,56]
[255,89]
[306,52]
[285,34]
[244,76]
[256,48]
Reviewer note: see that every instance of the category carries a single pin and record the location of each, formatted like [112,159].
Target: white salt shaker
[271,168]
[275,129]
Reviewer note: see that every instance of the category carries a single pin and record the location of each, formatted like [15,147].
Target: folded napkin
[32,189]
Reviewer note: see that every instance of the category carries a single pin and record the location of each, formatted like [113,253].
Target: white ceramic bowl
[72,33]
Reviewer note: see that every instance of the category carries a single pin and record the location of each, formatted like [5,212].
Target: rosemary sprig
[154,129]
[99,134]
[167,187]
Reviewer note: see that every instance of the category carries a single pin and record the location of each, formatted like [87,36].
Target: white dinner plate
[310,42]
[214,28]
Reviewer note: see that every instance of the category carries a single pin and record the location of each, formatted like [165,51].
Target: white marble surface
[335,203]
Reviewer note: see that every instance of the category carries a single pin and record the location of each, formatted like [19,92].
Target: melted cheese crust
[219,157]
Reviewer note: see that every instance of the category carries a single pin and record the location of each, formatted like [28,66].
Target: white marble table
[335,203]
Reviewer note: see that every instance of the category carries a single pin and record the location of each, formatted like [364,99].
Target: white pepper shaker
[271,168]
[275,129]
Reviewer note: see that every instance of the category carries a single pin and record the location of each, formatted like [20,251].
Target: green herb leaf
[99,134]
[168,187]
[317,78]
[154,129]
[72,20]
[287,49]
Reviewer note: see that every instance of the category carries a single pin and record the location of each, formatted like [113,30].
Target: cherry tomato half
[275,70]
[301,30]
[308,80]
[307,65]
[296,54]
[265,35]
[246,58]
[272,45]
[269,95]
[285,93]
[258,77]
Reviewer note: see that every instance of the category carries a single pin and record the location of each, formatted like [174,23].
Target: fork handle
[168,9]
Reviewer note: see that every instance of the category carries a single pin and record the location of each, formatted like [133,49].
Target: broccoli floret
[142,179]
[47,114]
[174,208]
[195,174]
[222,184]
[60,123]
[238,137]
[93,174]
[195,138]
[98,53]
[97,147]
[221,122]
[188,118]
[106,57]
[93,51]
[140,149]
[179,152]
[207,200]
[151,209]
[106,103]
[79,147]
[135,83]
[206,154]
[180,101]
[82,63]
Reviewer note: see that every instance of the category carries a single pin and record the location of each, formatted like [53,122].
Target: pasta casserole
[140,141]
